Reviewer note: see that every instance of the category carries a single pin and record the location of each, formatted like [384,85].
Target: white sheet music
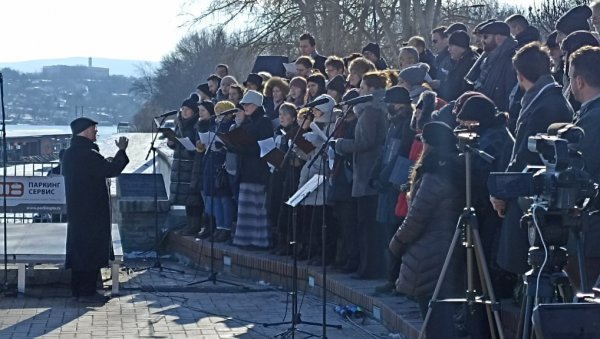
[315,128]
[266,146]
[207,137]
[305,190]
[187,143]
[291,68]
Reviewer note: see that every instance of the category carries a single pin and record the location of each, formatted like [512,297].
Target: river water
[21,130]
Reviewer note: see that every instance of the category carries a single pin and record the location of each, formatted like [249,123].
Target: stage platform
[44,243]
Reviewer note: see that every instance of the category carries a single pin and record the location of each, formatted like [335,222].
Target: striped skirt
[252,228]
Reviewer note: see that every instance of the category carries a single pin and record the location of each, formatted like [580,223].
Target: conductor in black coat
[89,244]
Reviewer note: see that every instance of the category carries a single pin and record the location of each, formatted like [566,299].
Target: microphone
[357,100]
[316,103]
[168,114]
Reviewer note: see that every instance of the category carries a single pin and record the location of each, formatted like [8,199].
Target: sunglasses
[434,41]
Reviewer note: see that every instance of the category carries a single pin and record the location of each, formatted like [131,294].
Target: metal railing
[14,169]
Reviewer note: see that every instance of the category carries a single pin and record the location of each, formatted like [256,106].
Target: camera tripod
[468,228]
[547,281]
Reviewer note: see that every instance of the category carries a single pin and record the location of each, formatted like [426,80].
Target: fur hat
[576,19]
[81,124]
[460,39]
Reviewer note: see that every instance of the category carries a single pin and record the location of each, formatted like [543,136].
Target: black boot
[194,225]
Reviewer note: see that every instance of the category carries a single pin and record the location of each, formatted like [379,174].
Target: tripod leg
[487,286]
[438,285]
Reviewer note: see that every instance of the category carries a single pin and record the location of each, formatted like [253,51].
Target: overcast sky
[117,29]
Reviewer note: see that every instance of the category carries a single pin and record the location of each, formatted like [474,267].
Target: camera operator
[479,114]
[585,86]
[542,105]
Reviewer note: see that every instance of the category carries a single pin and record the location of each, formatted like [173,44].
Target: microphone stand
[212,277]
[157,237]
[4,165]
[296,316]
[322,155]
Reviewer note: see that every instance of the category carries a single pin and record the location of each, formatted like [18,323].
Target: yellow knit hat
[223,106]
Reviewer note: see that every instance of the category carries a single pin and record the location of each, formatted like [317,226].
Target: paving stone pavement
[161,304]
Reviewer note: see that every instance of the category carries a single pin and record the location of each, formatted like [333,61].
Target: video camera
[561,184]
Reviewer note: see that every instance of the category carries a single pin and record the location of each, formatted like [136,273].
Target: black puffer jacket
[182,169]
[424,237]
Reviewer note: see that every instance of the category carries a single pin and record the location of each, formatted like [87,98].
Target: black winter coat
[427,57]
[455,84]
[89,243]
[589,119]
[495,74]
[549,107]
[251,167]
[185,185]
[443,64]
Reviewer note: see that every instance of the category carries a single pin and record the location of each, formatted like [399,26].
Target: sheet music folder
[237,138]
[305,190]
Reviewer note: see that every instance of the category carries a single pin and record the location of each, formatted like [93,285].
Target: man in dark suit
[307,47]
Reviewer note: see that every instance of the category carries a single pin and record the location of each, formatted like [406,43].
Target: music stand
[301,194]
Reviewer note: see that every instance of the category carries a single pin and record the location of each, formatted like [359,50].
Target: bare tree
[545,13]
[144,86]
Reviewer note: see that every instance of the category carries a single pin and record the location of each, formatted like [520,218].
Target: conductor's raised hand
[122,143]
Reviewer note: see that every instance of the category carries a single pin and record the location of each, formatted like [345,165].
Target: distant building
[83,72]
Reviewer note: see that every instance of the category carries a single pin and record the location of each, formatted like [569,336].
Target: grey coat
[367,145]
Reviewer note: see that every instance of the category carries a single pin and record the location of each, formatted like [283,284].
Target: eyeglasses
[434,41]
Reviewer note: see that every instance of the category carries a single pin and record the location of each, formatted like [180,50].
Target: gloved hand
[332,144]
[312,137]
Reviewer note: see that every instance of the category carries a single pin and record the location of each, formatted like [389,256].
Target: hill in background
[127,68]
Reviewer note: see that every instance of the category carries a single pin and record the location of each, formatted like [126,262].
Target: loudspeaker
[568,321]
[270,63]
